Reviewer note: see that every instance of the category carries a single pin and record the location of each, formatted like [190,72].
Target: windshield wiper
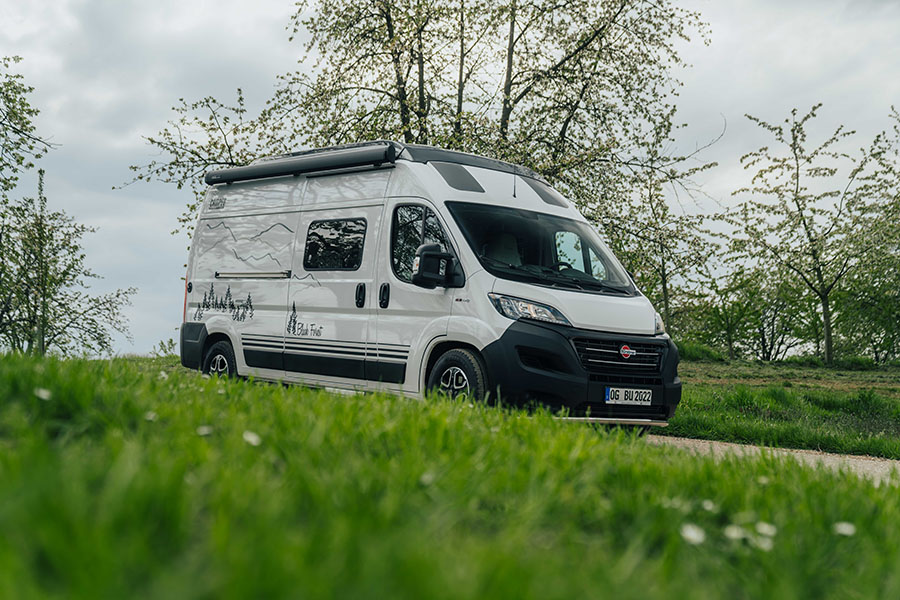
[582,282]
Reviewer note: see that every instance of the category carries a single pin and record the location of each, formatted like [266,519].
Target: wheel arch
[442,347]
[212,339]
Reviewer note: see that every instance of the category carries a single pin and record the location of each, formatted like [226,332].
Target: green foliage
[19,142]
[43,303]
[855,363]
[804,360]
[695,351]
[133,478]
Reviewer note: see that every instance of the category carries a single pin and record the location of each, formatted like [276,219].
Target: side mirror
[431,266]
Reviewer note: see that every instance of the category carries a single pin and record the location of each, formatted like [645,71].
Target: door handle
[384,295]
[360,295]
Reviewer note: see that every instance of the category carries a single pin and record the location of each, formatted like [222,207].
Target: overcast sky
[108,72]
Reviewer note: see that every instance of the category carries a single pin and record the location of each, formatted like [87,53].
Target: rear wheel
[219,360]
[458,373]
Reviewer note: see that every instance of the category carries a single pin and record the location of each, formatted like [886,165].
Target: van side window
[334,245]
[412,226]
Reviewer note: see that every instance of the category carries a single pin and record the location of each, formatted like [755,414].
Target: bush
[696,351]
[855,363]
[806,360]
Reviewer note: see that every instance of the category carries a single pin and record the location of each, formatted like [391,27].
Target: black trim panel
[264,359]
[353,368]
[387,372]
[193,336]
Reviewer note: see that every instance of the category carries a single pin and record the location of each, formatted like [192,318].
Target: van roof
[348,156]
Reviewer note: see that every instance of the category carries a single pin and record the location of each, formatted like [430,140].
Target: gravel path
[877,470]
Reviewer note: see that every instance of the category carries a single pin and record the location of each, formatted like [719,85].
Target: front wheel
[459,374]
[219,360]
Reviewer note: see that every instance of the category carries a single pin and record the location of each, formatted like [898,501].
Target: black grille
[627,379]
[604,356]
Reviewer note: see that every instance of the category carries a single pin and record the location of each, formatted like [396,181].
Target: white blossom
[252,438]
[762,542]
[845,528]
[693,534]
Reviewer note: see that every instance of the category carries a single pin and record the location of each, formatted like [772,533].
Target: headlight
[658,324]
[517,308]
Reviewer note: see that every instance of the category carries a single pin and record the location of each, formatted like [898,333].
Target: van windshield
[540,248]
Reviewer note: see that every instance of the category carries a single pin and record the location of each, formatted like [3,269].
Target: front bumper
[569,369]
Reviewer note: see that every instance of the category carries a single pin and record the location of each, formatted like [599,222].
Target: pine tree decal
[249,305]
[292,320]
[240,311]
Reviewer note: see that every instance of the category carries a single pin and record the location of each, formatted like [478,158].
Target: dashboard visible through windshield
[540,248]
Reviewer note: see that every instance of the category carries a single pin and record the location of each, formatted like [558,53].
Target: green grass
[109,490]
[791,406]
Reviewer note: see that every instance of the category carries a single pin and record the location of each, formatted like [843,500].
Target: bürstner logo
[627,352]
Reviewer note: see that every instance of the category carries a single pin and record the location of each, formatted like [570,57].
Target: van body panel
[411,316]
[326,328]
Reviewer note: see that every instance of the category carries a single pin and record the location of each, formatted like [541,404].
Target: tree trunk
[460,81]
[664,279]
[402,98]
[826,325]
[506,112]
[422,112]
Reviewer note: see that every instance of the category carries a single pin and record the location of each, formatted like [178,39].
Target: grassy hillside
[790,406]
[135,478]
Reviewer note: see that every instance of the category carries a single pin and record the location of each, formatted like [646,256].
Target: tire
[459,374]
[220,361]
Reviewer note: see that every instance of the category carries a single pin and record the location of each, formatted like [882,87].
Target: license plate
[628,396]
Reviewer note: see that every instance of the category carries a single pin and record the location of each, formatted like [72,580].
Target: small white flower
[220,390]
[150,416]
[762,480]
[427,478]
[676,503]
[471,405]
[163,375]
[845,528]
[709,506]
[766,529]
[252,438]
[692,534]
[42,393]
[204,430]
[735,532]
[206,376]
[763,543]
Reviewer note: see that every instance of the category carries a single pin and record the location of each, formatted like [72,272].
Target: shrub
[855,363]
[696,351]
[806,360]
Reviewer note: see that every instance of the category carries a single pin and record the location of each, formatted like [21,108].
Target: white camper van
[410,268]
